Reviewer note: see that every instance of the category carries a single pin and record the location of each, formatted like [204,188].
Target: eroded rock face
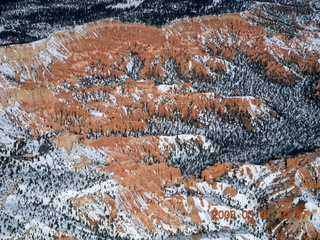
[151,125]
[275,189]
[229,78]
[112,184]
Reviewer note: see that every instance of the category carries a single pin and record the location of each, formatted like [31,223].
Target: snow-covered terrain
[129,131]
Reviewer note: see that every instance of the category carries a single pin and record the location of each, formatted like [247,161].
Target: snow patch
[56,49]
[128,4]
[7,69]
[167,88]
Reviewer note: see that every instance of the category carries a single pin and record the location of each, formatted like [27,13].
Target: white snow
[34,44]
[311,204]
[7,69]
[5,129]
[268,180]
[128,4]
[56,49]
[316,165]
[281,193]
[113,98]
[130,65]
[97,113]
[206,143]
[166,88]
[45,58]
[313,207]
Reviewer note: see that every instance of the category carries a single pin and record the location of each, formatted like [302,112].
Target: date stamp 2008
[263,214]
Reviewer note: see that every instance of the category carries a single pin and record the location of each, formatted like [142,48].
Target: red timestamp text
[263,214]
